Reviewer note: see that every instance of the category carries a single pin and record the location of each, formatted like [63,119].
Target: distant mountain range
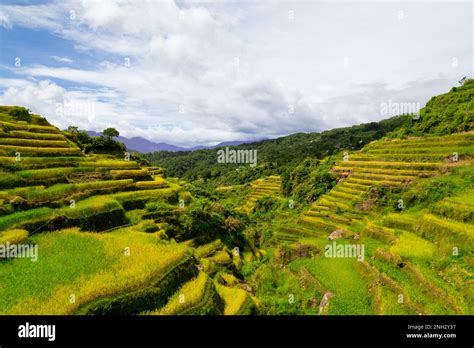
[143,145]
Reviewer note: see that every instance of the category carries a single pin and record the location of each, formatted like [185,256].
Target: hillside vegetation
[115,235]
[444,114]
[274,155]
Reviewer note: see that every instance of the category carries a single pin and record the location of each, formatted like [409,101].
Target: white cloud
[62,59]
[4,20]
[235,70]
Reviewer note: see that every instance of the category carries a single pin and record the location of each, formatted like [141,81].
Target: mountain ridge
[142,145]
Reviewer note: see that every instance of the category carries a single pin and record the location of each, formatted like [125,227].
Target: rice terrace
[116,233]
[245,172]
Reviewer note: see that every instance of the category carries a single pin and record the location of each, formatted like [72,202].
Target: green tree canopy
[111,132]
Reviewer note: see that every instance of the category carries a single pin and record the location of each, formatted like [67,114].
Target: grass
[187,297]
[420,143]
[350,190]
[420,290]
[457,211]
[39,162]
[13,236]
[382,177]
[339,277]
[388,171]
[145,195]
[34,142]
[460,208]
[28,127]
[410,245]
[88,265]
[86,207]
[391,165]
[221,258]
[397,157]
[461,150]
[432,226]
[208,249]
[371,182]
[344,195]
[63,190]
[17,218]
[129,173]
[158,182]
[401,221]
[90,206]
[47,173]
[32,135]
[109,163]
[10,150]
[82,210]
[234,299]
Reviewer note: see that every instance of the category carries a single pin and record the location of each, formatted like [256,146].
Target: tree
[72,129]
[111,132]
[20,113]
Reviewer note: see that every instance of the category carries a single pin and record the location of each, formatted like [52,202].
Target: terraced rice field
[75,269]
[45,178]
[401,248]
[415,261]
[56,197]
[268,186]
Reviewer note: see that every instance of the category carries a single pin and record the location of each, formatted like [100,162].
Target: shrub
[309,180]
[266,204]
[20,114]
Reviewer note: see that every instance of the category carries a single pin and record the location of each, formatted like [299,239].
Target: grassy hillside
[444,114]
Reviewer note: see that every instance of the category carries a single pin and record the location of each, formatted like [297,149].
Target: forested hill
[274,155]
[444,114]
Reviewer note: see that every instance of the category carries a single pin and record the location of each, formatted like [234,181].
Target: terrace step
[350,190]
[373,182]
[408,157]
[419,144]
[344,195]
[30,135]
[26,163]
[384,177]
[392,165]
[428,139]
[338,200]
[324,201]
[429,150]
[320,224]
[336,218]
[8,126]
[387,171]
[34,142]
[354,186]
[200,298]
[10,150]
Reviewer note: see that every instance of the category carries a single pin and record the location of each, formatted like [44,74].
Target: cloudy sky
[200,72]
